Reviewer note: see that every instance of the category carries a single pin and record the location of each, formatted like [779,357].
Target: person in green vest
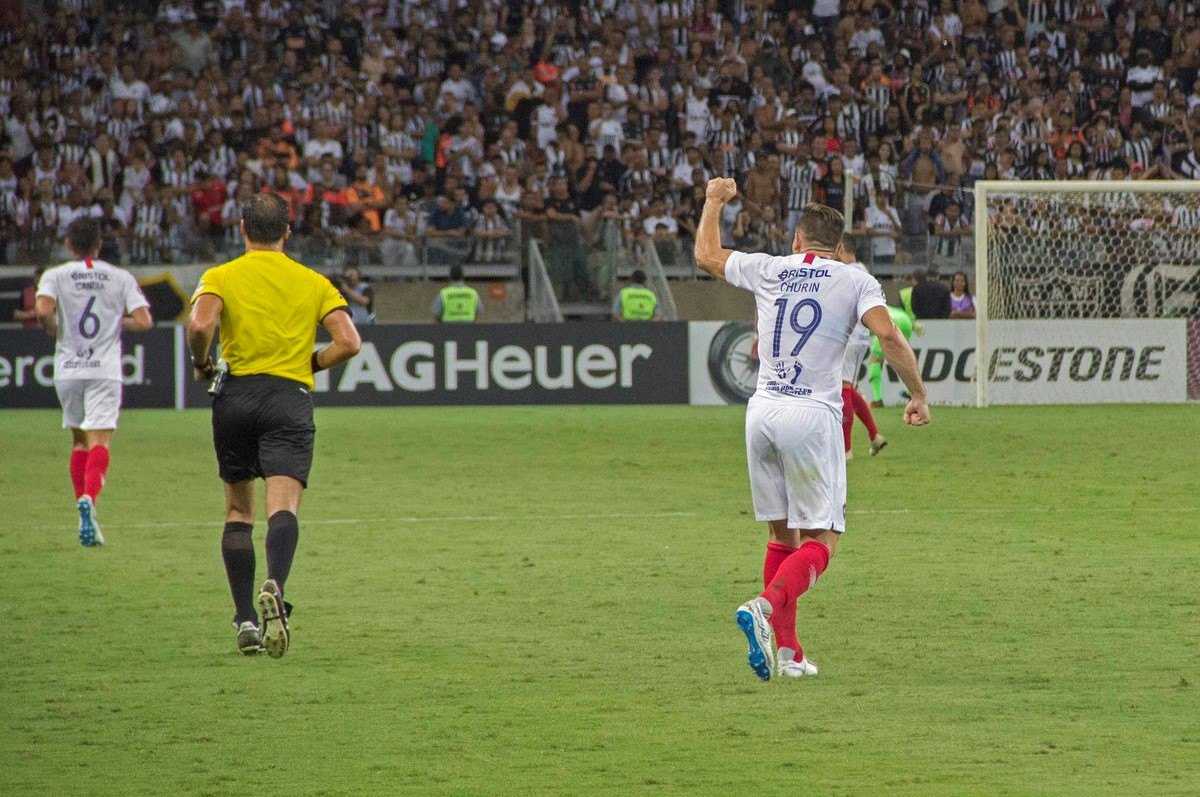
[457,303]
[904,322]
[906,293]
[636,302]
[904,319]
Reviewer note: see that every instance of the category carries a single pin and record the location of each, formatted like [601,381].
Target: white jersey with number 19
[808,307]
[91,297]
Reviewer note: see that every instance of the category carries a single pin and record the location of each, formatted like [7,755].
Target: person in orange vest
[366,199]
[275,146]
[291,196]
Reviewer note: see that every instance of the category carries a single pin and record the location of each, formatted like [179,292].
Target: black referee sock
[237,549]
[283,531]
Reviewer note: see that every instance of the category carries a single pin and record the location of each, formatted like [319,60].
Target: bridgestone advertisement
[1031,362]
[1088,362]
[722,368]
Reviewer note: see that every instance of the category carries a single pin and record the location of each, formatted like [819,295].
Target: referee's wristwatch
[207,368]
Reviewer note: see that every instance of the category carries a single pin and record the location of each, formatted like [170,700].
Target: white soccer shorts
[89,403]
[797,464]
[855,354]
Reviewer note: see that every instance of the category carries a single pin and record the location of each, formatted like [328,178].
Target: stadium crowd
[408,128]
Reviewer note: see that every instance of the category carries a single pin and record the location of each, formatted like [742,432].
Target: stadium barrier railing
[542,306]
[656,279]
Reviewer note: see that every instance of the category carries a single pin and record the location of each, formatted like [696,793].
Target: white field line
[168,524]
[413,520]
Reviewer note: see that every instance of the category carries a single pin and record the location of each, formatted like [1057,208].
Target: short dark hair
[821,225]
[83,236]
[456,272]
[265,217]
[639,277]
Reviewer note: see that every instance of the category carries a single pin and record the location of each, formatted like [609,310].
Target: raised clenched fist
[722,188]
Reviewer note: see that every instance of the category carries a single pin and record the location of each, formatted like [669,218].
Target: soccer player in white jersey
[85,304]
[808,305]
[853,402]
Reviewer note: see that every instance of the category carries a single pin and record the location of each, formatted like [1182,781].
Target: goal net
[1087,291]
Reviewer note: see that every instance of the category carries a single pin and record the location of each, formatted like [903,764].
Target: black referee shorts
[263,426]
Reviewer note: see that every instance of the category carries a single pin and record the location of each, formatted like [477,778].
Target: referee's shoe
[249,640]
[274,611]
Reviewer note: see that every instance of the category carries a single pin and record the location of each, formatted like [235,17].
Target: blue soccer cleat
[753,620]
[90,535]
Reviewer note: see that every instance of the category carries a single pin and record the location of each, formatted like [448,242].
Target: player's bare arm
[346,341]
[900,356]
[201,328]
[139,320]
[46,316]
[710,255]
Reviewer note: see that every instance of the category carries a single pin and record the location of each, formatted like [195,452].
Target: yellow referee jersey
[272,307]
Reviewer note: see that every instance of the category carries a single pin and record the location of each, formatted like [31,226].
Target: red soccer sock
[777,553]
[847,414]
[96,470]
[783,622]
[863,410]
[78,464]
[796,575]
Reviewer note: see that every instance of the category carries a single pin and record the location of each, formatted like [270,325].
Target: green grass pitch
[539,601]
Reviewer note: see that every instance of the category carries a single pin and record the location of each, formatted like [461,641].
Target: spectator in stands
[949,228]
[566,263]
[447,226]
[196,51]
[1187,164]
[357,291]
[26,314]
[365,198]
[208,199]
[748,232]
[282,95]
[401,229]
[833,184]
[962,303]
[114,227]
[491,233]
[657,216]
[930,298]
[881,222]
[356,241]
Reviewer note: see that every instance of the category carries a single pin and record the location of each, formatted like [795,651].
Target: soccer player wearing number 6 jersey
[85,304]
[808,305]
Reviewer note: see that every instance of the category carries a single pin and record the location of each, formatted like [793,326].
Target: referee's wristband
[316,366]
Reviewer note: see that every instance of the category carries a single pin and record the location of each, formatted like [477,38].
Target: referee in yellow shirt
[268,307]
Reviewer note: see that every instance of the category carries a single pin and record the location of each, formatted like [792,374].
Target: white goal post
[1087,291]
